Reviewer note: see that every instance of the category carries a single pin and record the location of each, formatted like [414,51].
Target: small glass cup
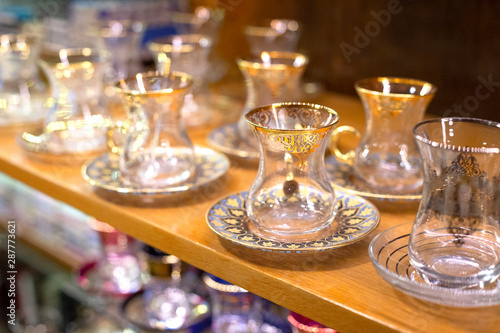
[156,150]
[455,239]
[270,77]
[122,39]
[291,198]
[387,160]
[273,35]
[188,54]
[205,21]
[77,120]
[23,94]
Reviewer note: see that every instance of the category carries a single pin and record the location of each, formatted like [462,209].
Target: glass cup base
[324,230]
[421,277]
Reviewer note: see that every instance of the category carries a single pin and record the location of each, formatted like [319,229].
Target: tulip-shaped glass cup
[455,240]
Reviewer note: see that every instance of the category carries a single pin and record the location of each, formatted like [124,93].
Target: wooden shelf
[339,288]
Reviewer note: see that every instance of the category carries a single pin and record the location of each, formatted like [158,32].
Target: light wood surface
[339,288]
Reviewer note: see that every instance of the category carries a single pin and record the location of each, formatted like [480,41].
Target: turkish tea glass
[23,93]
[122,38]
[206,21]
[387,160]
[157,150]
[77,120]
[270,77]
[291,198]
[188,54]
[455,239]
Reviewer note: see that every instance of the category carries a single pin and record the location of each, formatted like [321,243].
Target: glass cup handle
[348,157]
[116,136]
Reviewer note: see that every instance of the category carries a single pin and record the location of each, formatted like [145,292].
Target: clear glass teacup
[23,93]
[455,240]
[386,159]
[291,198]
[153,146]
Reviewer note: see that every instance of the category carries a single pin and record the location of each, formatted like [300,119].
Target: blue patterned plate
[357,217]
[103,173]
[342,179]
[226,139]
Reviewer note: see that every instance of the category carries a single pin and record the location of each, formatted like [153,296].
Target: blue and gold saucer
[356,217]
[103,172]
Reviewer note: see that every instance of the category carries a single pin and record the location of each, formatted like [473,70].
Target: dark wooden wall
[453,44]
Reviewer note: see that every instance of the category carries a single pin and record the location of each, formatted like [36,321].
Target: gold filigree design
[305,118]
[392,106]
[465,164]
[463,173]
[300,145]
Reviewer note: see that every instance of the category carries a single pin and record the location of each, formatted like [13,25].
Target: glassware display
[188,54]
[387,160]
[291,197]
[157,150]
[271,77]
[234,309]
[118,271]
[23,93]
[77,121]
[273,35]
[455,240]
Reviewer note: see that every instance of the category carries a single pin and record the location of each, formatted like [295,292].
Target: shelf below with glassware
[339,288]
